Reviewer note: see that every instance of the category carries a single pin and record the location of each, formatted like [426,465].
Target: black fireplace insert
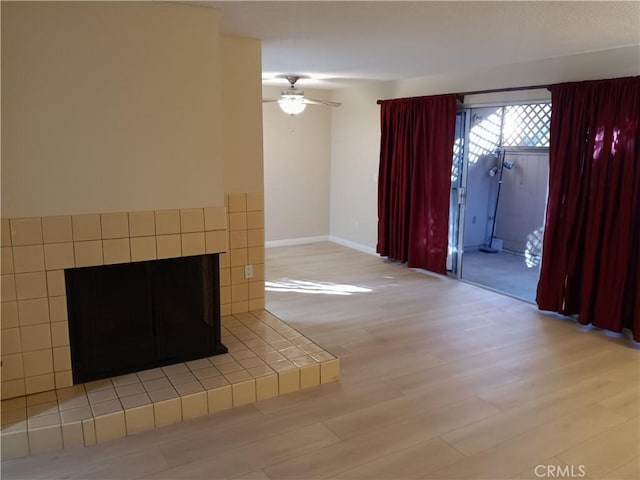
[135,316]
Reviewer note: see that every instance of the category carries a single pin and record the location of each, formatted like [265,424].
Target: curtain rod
[460,96]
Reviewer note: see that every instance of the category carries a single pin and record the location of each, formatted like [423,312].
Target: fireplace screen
[135,316]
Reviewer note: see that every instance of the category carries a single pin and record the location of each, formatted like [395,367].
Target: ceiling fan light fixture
[292,101]
[292,104]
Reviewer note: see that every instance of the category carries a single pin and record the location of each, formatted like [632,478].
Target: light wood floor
[440,380]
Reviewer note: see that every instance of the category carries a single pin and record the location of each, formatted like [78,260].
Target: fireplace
[135,316]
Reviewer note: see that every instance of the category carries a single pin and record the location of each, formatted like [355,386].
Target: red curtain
[416,150]
[591,250]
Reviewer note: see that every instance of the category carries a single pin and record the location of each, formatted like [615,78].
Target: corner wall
[243,176]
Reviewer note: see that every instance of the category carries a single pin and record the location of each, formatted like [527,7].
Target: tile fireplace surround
[41,408]
[266,358]
[36,251]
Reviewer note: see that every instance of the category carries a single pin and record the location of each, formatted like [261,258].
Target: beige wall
[109,107]
[296,169]
[355,129]
[242,114]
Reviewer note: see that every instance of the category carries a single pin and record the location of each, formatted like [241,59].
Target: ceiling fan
[293,101]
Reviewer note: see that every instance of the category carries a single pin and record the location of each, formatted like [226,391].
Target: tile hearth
[266,358]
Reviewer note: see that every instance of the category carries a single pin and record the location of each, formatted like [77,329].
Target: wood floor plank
[534,446]
[592,365]
[628,471]
[211,463]
[130,465]
[479,377]
[411,463]
[626,402]
[371,441]
[510,423]
[404,409]
[607,451]
[255,475]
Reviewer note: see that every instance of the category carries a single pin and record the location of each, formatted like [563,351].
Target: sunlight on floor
[301,286]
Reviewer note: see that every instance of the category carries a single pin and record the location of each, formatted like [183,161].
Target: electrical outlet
[248,271]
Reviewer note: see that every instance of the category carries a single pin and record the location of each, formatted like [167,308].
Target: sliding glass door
[498,197]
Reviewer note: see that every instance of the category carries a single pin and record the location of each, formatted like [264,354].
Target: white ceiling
[344,43]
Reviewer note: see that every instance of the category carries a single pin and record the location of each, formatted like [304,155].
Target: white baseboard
[354,245]
[287,242]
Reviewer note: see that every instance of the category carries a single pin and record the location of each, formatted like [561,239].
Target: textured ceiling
[344,43]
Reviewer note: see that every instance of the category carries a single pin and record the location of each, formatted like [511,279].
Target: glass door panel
[457,193]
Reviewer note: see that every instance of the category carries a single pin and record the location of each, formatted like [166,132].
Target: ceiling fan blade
[270,100]
[312,101]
